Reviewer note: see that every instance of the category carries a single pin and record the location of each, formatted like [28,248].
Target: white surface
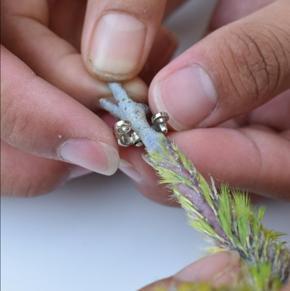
[98,233]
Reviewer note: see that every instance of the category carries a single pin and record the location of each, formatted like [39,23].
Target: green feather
[266,258]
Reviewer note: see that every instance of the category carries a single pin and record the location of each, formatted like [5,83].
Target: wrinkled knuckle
[256,60]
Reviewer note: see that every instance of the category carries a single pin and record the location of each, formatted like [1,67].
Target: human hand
[221,269]
[235,81]
[218,269]
[49,129]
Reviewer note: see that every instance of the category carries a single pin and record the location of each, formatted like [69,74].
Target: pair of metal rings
[126,136]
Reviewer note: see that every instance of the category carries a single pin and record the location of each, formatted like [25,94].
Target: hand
[217,270]
[49,131]
[233,87]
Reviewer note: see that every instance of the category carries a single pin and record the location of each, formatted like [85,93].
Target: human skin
[248,110]
[228,98]
[218,270]
[251,126]
[50,131]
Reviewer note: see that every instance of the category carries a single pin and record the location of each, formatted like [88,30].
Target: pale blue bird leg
[127,109]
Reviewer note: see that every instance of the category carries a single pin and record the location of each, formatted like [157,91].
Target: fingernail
[187,95]
[206,268]
[92,155]
[117,44]
[77,172]
[130,171]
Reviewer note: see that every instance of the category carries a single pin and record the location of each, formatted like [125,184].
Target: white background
[98,233]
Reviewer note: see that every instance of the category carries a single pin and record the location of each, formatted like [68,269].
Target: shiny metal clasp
[126,136]
[159,122]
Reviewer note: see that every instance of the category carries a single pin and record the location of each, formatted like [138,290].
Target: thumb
[219,269]
[118,36]
[230,72]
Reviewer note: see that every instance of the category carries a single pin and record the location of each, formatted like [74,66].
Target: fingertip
[187,94]
[210,268]
[129,170]
[158,194]
[216,270]
[111,54]
[209,84]
[77,172]
[157,104]
[137,89]
[92,155]
[118,36]
[133,165]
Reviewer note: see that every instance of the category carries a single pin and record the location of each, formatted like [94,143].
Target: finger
[228,11]
[232,71]
[42,120]
[64,15]
[25,32]
[218,269]
[26,175]
[275,113]
[118,36]
[144,177]
[247,158]
[67,14]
